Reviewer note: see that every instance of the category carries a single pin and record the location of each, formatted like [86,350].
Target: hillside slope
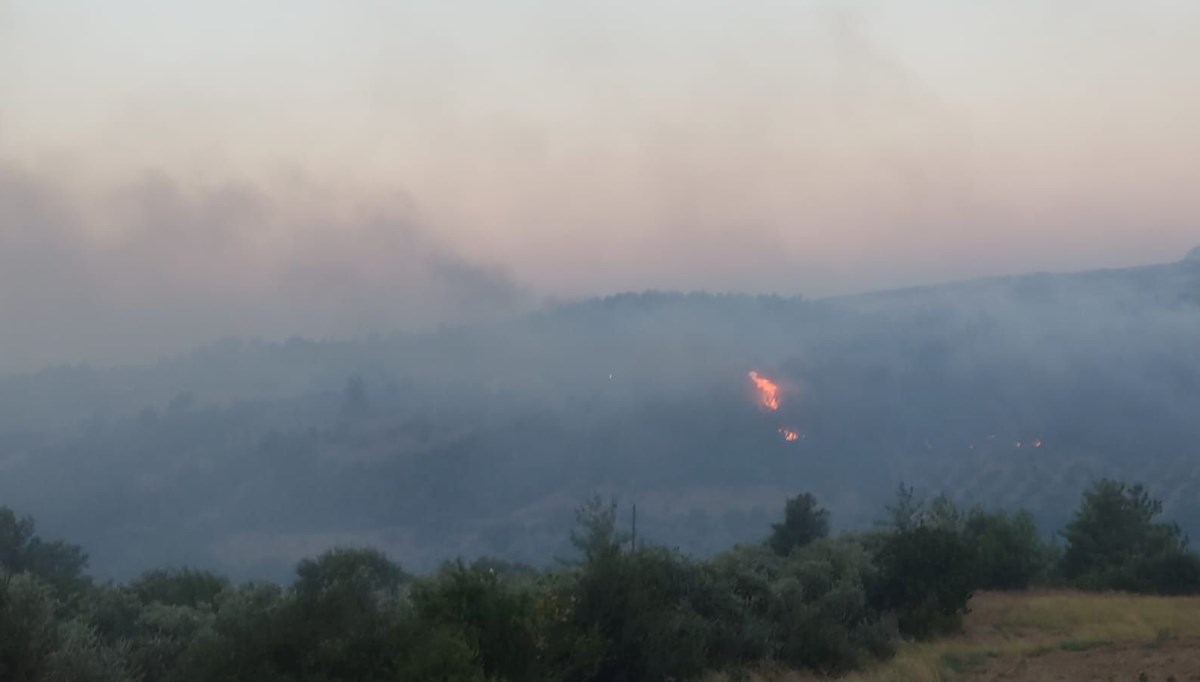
[481,440]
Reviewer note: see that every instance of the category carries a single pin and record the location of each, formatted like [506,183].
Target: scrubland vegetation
[800,601]
[1042,634]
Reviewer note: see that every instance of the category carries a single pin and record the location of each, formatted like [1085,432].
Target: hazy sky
[173,172]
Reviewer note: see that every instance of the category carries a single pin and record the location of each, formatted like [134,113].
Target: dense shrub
[642,607]
[825,619]
[809,610]
[1114,543]
[932,556]
[80,654]
[738,604]
[493,620]
[57,564]
[38,645]
[249,638]
[1008,553]
[925,577]
[341,614]
[1173,572]
[437,654]
[27,627]
[178,587]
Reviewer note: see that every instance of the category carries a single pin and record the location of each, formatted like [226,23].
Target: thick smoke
[160,265]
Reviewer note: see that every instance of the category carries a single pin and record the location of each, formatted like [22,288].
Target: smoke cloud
[159,265]
[793,148]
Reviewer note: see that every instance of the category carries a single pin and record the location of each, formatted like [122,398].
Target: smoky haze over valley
[423,276]
[173,177]
[158,266]
[480,439]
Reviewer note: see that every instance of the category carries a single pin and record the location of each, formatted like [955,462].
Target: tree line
[801,599]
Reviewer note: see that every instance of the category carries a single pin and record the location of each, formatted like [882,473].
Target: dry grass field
[1052,635]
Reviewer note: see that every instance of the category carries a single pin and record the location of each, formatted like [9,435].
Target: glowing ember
[768,391]
[789,435]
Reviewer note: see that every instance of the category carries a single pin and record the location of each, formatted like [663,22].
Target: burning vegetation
[768,391]
[767,395]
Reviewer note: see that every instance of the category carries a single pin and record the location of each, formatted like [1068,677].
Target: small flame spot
[790,435]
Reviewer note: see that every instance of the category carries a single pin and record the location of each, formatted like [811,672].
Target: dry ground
[1058,635]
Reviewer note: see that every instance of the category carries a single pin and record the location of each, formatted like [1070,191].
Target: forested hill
[245,456]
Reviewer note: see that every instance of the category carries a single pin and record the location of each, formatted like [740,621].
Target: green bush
[1114,543]
[1174,572]
[641,606]
[57,564]
[80,654]
[249,639]
[494,620]
[27,627]
[178,587]
[439,654]
[736,600]
[925,577]
[825,618]
[38,645]
[1009,555]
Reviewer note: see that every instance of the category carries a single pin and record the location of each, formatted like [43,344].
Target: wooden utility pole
[633,536]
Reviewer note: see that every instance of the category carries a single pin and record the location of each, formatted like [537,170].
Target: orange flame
[768,391]
[790,435]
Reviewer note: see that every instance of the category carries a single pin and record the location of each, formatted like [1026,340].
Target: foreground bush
[825,618]
[798,600]
[926,577]
[494,620]
[1114,543]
